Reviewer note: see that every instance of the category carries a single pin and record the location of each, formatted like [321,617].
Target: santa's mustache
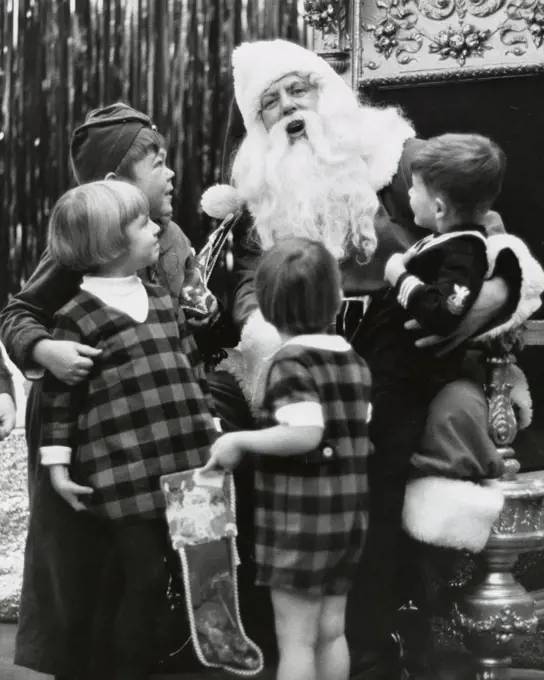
[304,127]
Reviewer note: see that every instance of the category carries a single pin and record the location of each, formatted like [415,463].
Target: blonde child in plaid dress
[141,412]
[310,461]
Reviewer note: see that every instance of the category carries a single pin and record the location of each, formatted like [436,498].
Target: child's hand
[66,488]
[7,415]
[225,453]
[394,268]
[68,361]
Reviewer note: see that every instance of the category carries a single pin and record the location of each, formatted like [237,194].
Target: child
[65,551]
[456,178]
[311,486]
[141,412]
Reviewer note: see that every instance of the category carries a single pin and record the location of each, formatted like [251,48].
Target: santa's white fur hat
[452,513]
[257,65]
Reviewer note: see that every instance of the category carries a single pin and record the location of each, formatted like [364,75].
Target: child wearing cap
[64,553]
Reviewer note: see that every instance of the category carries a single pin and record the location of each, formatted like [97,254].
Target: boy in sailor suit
[456,178]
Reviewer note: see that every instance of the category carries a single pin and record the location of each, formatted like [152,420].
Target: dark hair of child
[298,286]
[147,141]
[467,170]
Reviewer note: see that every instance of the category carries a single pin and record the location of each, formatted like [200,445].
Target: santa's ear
[221,200]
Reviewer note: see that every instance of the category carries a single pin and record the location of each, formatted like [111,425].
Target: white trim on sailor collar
[333,343]
[434,240]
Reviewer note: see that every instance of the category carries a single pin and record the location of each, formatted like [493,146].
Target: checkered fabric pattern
[141,414]
[311,511]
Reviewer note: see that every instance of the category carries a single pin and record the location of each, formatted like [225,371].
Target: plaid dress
[311,510]
[142,412]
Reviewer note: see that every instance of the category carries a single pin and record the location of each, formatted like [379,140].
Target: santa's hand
[492,298]
[65,487]
[428,340]
[225,453]
[394,268]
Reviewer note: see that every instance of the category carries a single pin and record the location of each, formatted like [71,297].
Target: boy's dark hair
[299,286]
[146,141]
[112,139]
[466,170]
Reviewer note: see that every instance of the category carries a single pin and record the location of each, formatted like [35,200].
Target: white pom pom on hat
[221,200]
[256,65]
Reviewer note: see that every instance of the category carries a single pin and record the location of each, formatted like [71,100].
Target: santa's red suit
[386,143]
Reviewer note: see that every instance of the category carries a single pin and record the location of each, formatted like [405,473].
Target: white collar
[333,343]
[126,294]
[124,285]
[433,240]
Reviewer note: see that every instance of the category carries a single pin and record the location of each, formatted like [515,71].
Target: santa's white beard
[314,186]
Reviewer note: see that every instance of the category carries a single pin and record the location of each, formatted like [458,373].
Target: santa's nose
[288,110]
[288,105]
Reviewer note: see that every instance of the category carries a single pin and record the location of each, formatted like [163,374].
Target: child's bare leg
[332,656]
[296,616]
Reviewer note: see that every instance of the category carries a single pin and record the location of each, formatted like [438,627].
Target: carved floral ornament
[443,38]
[330,17]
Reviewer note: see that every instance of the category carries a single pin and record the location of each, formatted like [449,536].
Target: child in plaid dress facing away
[311,481]
[141,412]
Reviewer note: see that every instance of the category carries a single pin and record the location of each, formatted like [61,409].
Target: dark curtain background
[169,58]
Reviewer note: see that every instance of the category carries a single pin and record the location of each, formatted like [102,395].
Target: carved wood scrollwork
[397,41]
[502,419]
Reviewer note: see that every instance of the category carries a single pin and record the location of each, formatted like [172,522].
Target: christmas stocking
[200,510]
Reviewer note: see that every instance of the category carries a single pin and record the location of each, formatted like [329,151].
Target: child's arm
[294,401]
[61,406]
[280,440]
[27,321]
[440,306]
[7,400]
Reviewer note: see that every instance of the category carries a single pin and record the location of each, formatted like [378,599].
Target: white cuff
[34,373]
[55,455]
[302,414]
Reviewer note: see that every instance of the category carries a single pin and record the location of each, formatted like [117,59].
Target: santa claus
[317,163]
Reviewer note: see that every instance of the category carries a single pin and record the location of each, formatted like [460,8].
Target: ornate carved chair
[474,65]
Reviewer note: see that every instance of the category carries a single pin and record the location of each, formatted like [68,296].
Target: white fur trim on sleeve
[55,455]
[34,373]
[249,361]
[302,413]
[452,513]
[532,282]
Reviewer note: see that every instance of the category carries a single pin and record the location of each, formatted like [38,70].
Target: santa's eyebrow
[296,83]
